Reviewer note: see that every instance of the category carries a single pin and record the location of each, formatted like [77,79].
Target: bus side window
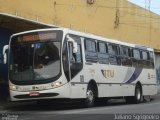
[136,54]
[114,53]
[136,57]
[103,56]
[126,56]
[90,50]
[145,59]
[151,58]
[144,55]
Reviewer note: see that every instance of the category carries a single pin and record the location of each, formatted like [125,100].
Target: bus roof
[88,35]
[92,36]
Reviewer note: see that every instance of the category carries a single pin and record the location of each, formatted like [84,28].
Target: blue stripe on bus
[135,75]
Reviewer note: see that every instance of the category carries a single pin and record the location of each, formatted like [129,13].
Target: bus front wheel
[90,97]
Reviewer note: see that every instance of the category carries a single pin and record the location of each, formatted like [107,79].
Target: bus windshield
[35,57]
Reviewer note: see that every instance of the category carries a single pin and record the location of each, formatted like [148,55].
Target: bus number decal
[151,76]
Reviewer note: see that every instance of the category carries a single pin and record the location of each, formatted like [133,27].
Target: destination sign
[37,36]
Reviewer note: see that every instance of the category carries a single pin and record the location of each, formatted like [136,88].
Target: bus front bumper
[59,92]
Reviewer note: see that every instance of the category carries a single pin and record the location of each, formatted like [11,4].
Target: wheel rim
[90,96]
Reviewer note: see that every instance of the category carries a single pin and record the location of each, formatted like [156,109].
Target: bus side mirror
[5,48]
[75,49]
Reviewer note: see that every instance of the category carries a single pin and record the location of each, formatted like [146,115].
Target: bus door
[74,64]
[75,58]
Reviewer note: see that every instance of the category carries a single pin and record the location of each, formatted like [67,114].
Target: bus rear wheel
[90,97]
[138,98]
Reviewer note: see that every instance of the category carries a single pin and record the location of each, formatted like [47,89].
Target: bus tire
[138,97]
[90,97]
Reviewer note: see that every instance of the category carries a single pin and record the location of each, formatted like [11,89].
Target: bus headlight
[13,87]
[56,84]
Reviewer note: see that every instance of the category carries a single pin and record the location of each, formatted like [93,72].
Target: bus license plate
[34,94]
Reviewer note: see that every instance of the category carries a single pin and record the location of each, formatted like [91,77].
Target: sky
[154,4]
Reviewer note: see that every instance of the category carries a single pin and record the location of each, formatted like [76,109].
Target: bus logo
[108,73]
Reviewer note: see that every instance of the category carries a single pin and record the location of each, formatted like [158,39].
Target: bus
[60,63]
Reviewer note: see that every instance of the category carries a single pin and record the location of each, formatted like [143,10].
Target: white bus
[60,63]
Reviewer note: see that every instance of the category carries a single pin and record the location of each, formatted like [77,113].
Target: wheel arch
[93,83]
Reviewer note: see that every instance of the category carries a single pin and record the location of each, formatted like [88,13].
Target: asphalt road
[113,110]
